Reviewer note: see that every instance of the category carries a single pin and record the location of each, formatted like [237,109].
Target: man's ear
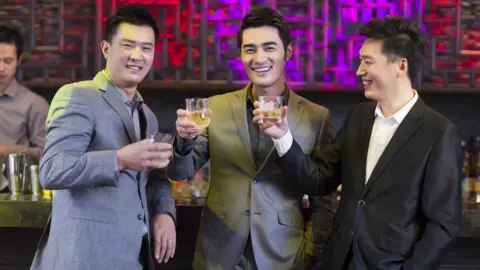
[402,66]
[105,47]
[289,52]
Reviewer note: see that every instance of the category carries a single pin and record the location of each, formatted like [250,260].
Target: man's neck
[274,90]
[3,88]
[128,91]
[395,103]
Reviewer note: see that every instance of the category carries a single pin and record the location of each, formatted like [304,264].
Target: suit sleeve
[323,207]
[188,157]
[65,163]
[441,203]
[317,174]
[159,194]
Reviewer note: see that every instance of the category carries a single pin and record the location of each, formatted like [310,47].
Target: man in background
[97,158]
[22,112]
[253,218]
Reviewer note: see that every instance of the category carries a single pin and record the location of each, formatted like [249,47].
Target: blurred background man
[22,112]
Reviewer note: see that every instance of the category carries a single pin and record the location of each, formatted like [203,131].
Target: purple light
[311,31]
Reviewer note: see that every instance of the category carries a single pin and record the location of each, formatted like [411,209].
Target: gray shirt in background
[23,115]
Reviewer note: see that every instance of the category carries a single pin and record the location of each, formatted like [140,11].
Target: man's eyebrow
[132,41]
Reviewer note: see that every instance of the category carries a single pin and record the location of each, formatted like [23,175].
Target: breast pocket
[94,214]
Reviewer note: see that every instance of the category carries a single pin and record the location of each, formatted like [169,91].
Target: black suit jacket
[409,212]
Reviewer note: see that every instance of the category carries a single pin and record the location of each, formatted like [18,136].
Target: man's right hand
[144,155]
[186,128]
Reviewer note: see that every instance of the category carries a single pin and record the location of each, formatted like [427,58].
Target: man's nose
[360,71]
[136,53]
[260,56]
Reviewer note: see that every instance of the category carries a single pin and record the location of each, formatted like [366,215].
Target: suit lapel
[114,98]
[239,107]
[364,142]
[295,111]
[404,132]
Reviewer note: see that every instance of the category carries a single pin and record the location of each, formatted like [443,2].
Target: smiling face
[263,56]
[130,54]
[380,75]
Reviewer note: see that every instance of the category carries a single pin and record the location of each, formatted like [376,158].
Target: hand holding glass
[159,137]
[271,107]
[200,112]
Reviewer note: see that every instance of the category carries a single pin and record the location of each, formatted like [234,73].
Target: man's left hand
[164,238]
[274,128]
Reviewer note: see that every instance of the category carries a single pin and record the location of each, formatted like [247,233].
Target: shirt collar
[400,114]
[12,88]
[137,101]
[250,99]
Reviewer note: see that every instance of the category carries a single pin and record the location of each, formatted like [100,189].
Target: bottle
[466,172]
[476,169]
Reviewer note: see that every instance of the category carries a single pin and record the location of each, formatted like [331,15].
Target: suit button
[361,203]
[139,217]
[247,212]
[350,233]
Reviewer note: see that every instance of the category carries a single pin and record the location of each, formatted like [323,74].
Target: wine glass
[200,111]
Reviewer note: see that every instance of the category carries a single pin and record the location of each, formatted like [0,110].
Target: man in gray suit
[97,161]
[253,216]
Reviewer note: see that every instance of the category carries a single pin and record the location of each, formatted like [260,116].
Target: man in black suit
[398,162]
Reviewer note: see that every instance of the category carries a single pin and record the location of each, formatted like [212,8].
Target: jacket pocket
[291,220]
[95,214]
[393,244]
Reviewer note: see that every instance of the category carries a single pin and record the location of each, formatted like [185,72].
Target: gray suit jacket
[242,199]
[98,213]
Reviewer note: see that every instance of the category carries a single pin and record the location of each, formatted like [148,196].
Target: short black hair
[131,14]
[265,16]
[401,38]
[11,35]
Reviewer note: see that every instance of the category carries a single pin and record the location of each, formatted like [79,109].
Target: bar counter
[22,219]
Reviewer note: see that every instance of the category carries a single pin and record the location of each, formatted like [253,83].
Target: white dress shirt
[382,132]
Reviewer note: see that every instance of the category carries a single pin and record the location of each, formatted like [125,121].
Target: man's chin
[263,82]
[135,79]
[369,94]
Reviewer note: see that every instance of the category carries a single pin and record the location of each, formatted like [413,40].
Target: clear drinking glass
[200,111]
[271,107]
[160,137]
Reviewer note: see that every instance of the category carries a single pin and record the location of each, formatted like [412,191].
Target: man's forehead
[260,35]
[135,33]
[7,48]
[370,47]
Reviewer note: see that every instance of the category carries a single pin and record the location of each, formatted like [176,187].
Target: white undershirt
[383,131]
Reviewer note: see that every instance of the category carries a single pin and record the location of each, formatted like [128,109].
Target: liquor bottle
[466,171]
[476,169]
